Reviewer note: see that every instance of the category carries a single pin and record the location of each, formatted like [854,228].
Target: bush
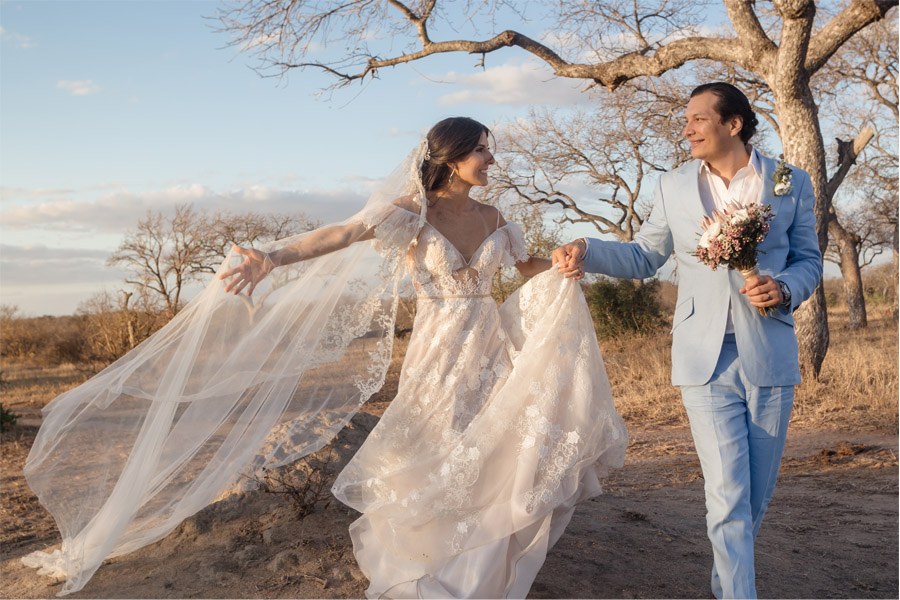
[7,418]
[624,306]
[880,283]
[50,340]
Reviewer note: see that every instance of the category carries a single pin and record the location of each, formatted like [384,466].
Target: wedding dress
[501,419]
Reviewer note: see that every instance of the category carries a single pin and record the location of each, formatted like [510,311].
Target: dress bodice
[438,268]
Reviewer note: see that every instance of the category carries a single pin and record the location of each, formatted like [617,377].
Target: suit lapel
[767,191]
[691,188]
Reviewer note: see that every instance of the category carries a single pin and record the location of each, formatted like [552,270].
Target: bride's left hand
[253,269]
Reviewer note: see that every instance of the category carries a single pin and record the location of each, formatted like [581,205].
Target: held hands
[569,259]
[762,291]
[255,266]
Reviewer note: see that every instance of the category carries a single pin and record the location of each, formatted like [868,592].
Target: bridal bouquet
[731,237]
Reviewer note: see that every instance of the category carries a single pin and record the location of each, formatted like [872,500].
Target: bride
[502,420]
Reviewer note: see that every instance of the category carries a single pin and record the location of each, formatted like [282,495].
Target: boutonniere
[782,179]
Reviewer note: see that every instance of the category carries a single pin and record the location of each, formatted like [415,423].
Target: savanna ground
[831,530]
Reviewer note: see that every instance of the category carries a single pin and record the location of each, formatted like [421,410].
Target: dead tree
[605,43]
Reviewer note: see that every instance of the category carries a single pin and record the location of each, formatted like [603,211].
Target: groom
[736,369]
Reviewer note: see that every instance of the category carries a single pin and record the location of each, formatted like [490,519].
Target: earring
[450,179]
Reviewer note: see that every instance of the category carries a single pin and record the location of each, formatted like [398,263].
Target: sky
[110,109]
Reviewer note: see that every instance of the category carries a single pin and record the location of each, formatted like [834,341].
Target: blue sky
[111,108]
[108,109]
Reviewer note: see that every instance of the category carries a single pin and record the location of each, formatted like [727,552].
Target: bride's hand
[255,266]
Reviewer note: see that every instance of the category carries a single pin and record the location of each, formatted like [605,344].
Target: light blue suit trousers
[737,388]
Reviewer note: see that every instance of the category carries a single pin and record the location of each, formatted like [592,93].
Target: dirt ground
[831,531]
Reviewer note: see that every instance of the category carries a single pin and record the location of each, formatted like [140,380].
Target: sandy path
[831,532]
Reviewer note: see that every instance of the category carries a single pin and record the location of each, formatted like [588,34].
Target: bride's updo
[448,141]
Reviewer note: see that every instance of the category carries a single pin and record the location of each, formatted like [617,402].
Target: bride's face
[473,168]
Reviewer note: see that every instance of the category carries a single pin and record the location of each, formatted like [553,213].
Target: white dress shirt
[745,189]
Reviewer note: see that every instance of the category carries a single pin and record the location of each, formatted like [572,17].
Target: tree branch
[797,22]
[842,27]
[847,153]
[611,74]
[749,30]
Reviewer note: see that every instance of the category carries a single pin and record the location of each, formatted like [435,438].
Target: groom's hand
[569,259]
[762,291]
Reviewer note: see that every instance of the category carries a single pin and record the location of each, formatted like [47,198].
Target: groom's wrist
[785,293]
[581,244]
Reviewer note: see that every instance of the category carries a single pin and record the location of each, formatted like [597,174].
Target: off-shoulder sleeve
[395,227]
[514,251]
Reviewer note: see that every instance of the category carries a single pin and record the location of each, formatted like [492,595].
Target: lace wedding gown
[471,475]
[501,421]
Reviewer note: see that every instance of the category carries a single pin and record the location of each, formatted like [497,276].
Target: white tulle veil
[229,386]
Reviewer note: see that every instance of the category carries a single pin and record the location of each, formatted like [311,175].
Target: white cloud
[8,194]
[120,211]
[39,264]
[78,87]
[527,83]
[16,39]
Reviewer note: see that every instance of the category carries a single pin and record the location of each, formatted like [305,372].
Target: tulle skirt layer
[501,423]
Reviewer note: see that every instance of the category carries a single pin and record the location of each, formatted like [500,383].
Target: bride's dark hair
[449,140]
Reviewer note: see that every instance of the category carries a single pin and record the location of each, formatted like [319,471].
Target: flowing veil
[231,385]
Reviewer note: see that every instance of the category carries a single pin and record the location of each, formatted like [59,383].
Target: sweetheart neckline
[475,252]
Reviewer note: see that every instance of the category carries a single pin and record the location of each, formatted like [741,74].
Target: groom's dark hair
[731,102]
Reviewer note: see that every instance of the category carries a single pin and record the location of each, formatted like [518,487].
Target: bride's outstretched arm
[257,264]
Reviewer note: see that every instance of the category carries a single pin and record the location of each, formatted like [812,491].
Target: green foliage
[624,306]
[7,418]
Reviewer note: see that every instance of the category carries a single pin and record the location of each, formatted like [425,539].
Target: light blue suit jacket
[767,345]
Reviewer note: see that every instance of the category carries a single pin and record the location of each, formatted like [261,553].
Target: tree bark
[848,247]
[896,262]
[803,146]
[848,242]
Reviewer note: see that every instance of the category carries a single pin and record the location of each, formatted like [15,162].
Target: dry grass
[639,370]
[858,386]
[26,387]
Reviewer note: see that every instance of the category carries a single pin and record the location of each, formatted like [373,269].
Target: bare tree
[165,254]
[865,69]
[550,159]
[607,43]
[161,254]
[114,323]
[225,229]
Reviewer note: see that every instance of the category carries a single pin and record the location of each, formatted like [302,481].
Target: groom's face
[710,138]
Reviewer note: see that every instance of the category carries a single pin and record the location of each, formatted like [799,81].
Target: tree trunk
[848,247]
[896,262]
[803,146]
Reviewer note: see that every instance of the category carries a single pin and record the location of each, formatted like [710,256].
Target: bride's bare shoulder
[490,214]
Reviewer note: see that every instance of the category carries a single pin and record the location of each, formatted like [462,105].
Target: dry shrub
[306,483]
[44,340]
[622,306]
[859,380]
[113,324]
[640,373]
